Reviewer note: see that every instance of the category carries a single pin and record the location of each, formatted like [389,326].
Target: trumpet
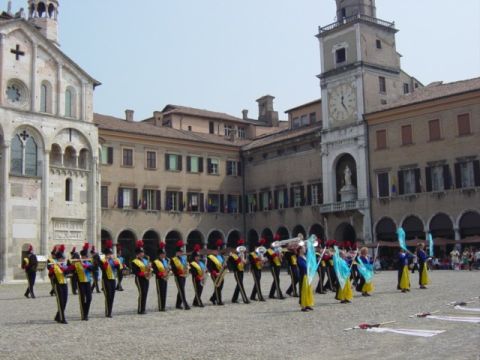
[277,244]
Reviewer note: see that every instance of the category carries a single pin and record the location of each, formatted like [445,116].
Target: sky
[222,55]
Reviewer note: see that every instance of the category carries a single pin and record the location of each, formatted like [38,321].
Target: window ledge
[174,171]
[409,144]
[150,169]
[465,135]
[435,140]
[127,166]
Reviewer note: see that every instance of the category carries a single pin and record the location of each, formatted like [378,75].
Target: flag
[430,244]
[312,264]
[342,270]
[366,270]
[401,238]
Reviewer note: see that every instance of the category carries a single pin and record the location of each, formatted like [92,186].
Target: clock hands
[343,104]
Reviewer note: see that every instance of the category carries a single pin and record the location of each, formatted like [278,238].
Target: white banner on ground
[458,307]
[469,319]
[410,332]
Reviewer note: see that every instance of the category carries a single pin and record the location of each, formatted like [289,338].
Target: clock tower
[360,72]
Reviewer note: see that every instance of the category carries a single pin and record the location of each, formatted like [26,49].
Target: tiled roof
[178,109]
[281,135]
[304,105]
[434,91]
[106,122]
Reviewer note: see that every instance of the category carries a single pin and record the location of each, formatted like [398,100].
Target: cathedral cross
[24,135]
[17,52]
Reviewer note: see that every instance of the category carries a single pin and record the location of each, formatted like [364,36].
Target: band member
[274,257]
[97,272]
[256,264]
[291,258]
[29,264]
[321,270]
[236,263]
[83,271]
[332,282]
[142,270]
[215,265]
[198,270]
[50,262]
[161,268]
[107,266]
[180,271]
[422,264]
[121,260]
[365,273]
[58,271]
[306,292]
[342,269]
[74,255]
[403,274]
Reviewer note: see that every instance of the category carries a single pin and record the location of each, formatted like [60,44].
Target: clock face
[342,102]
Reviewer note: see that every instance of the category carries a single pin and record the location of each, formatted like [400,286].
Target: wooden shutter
[434,129]
[239,168]
[189,162]
[381,139]
[463,124]
[202,202]
[476,172]
[275,199]
[144,199]
[302,195]
[292,197]
[120,198]
[407,134]
[209,165]
[401,187]
[447,178]
[428,178]
[179,162]
[110,155]
[260,202]
[180,201]
[222,205]
[167,163]
[309,195]
[240,204]
[458,176]
[200,164]
[418,184]
[135,199]
[158,204]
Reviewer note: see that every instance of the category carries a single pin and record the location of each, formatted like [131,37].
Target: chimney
[245,114]
[157,118]
[129,115]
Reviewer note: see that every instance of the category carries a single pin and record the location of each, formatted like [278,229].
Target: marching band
[336,270]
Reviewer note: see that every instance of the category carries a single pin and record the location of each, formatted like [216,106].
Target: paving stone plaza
[276,329]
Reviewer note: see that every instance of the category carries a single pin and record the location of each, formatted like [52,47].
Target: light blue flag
[430,244]
[312,264]
[342,270]
[366,270]
[401,238]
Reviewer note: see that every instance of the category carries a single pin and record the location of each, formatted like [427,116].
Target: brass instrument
[41,262]
[223,272]
[167,270]
[148,271]
[277,244]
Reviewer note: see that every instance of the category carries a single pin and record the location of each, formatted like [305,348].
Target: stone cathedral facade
[49,144]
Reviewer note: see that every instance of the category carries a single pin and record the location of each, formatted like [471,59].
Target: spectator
[455,258]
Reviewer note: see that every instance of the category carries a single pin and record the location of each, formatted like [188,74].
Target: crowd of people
[340,271]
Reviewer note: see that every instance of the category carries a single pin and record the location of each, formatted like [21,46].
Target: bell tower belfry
[44,14]
[348,8]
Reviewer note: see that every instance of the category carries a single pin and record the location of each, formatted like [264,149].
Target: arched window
[43,98]
[68,190]
[41,9]
[69,103]
[51,11]
[31,157]
[24,155]
[16,160]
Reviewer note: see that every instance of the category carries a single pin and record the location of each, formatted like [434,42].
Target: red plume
[276,237]
[139,244]
[197,248]
[108,244]
[262,241]
[219,242]
[30,248]
[161,245]
[61,248]
[85,246]
[93,249]
[54,249]
[73,249]
[179,243]
[240,242]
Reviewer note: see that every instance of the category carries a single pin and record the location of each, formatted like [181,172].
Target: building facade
[49,144]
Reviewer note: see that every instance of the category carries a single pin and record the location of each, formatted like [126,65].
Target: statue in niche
[348,176]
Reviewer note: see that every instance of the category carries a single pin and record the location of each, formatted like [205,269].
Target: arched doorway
[345,233]
[170,242]
[299,229]
[151,240]
[282,233]
[386,230]
[232,239]
[469,224]
[441,226]
[252,239]
[127,240]
[317,230]
[344,162]
[413,227]
[267,234]
[213,237]
[195,237]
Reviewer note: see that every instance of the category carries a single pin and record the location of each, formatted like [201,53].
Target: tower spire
[348,8]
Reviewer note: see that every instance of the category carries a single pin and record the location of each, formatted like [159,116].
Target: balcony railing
[353,18]
[343,206]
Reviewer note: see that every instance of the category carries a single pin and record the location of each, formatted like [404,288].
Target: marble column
[45,220]
[4,212]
